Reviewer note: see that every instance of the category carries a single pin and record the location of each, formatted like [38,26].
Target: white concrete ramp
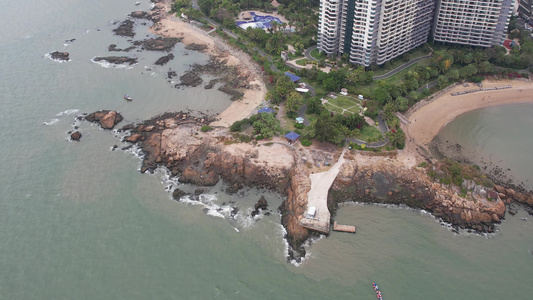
[318,197]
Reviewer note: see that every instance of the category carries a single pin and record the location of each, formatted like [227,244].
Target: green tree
[325,129]
[402,103]
[396,138]
[486,67]
[453,74]
[314,105]
[381,95]
[414,95]
[294,102]
[266,124]
[442,81]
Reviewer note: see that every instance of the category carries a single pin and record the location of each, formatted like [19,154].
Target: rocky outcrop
[190,79]
[125,29]
[293,209]
[64,56]
[117,60]
[523,198]
[106,118]
[261,204]
[114,48]
[75,136]
[160,44]
[395,185]
[140,15]
[196,47]
[164,59]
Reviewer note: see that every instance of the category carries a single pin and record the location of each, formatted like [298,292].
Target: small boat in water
[137,3]
[127,97]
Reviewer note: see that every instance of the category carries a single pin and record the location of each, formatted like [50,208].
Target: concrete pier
[345,228]
[318,197]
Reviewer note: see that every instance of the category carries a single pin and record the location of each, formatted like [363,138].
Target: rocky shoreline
[176,142]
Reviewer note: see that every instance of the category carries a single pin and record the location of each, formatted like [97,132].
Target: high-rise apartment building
[373,31]
[525,10]
[376,31]
[472,22]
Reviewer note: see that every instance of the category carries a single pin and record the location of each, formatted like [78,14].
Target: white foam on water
[51,122]
[108,65]
[67,112]
[49,56]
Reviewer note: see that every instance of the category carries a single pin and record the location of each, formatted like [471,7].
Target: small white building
[311,212]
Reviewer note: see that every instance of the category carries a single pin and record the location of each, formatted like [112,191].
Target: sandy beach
[427,121]
[171,26]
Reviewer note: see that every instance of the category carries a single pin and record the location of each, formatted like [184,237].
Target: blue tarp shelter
[293,77]
[266,110]
[292,136]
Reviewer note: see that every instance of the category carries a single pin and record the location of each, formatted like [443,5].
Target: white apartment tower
[472,22]
[373,31]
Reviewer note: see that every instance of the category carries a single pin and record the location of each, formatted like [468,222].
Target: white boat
[127,97]
[137,3]
[302,90]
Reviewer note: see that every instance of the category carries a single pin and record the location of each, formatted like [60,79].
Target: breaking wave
[108,65]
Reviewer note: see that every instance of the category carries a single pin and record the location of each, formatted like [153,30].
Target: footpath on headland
[318,197]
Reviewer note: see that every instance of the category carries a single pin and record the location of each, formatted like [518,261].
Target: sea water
[497,139]
[78,220]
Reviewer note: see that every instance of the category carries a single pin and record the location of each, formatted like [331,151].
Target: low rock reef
[63,56]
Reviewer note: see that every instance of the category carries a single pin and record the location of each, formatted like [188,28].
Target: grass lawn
[301,62]
[370,134]
[315,53]
[349,103]
[398,62]
[332,108]
[396,79]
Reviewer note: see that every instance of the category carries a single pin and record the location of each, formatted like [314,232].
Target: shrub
[206,128]
[306,143]
[299,126]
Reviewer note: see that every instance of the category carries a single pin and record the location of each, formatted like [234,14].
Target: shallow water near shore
[78,221]
[495,138]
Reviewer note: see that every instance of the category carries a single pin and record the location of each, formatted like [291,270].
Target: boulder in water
[75,136]
[106,118]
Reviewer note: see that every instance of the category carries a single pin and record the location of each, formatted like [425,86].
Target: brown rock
[75,136]
[511,193]
[134,138]
[500,189]
[106,118]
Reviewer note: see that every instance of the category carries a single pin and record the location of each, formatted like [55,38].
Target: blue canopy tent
[292,136]
[266,110]
[293,77]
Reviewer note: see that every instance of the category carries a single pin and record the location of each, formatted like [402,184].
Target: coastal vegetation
[439,65]
[452,172]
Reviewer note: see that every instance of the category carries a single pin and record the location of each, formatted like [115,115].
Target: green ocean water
[78,221]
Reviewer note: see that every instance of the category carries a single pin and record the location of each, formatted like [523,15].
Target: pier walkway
[318,197]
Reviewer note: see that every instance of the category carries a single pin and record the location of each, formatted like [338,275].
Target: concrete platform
[345,228]
[318,197]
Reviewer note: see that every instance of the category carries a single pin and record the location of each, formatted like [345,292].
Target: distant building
[373,31]
[525,10]
[376,31]
[472,22]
